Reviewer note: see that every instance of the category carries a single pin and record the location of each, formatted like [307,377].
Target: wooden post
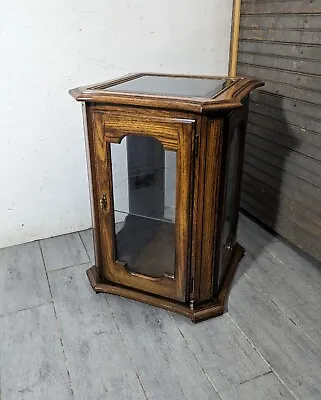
[235,34]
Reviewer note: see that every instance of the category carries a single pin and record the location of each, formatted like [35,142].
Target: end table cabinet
[165,155]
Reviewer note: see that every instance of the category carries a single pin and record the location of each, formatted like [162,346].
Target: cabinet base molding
[210,309]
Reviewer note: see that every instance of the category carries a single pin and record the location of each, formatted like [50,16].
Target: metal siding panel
[285,159]
[304,109]
[281,21]
[289,91]
[283,63]
[285,206]
[281,7]
[280,43]
[284,127]
[286,142]
[288,78]
[292,119]
[286,228]
[286,36]
[300,190]
[264,183]
[300,51]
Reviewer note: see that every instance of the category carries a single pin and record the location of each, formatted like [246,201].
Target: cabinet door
[144,174]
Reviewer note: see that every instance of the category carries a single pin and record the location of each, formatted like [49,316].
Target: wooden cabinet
[165,157]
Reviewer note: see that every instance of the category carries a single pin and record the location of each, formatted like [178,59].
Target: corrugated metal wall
[280,42]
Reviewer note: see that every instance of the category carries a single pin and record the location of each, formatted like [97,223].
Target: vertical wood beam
[235,34]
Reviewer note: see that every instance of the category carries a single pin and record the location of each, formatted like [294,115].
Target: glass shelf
[146,245]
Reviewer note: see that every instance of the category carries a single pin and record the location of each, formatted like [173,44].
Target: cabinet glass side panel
[144,187]
[230,200]
[228,234]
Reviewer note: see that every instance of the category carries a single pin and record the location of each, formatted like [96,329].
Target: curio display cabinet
[165,155]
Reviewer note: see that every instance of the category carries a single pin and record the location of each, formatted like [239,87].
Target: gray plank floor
[60,340]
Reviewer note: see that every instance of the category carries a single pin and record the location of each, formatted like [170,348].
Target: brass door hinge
[103,202]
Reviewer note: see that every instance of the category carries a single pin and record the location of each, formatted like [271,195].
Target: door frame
[176,134]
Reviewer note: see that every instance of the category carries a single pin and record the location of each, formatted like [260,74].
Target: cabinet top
[184,92]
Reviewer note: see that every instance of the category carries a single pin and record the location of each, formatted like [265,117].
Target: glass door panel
[144,187]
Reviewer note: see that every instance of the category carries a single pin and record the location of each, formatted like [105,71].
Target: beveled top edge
[229,97]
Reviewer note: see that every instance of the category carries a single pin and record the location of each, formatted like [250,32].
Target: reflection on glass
[144,185]
[173,86]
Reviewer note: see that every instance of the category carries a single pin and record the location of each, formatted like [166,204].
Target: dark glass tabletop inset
[172,86]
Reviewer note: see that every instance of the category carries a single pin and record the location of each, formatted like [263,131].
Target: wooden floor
[59,340]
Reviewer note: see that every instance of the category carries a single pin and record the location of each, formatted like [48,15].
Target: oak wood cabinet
[165,156]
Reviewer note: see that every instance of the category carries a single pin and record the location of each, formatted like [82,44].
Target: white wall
[48,47]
